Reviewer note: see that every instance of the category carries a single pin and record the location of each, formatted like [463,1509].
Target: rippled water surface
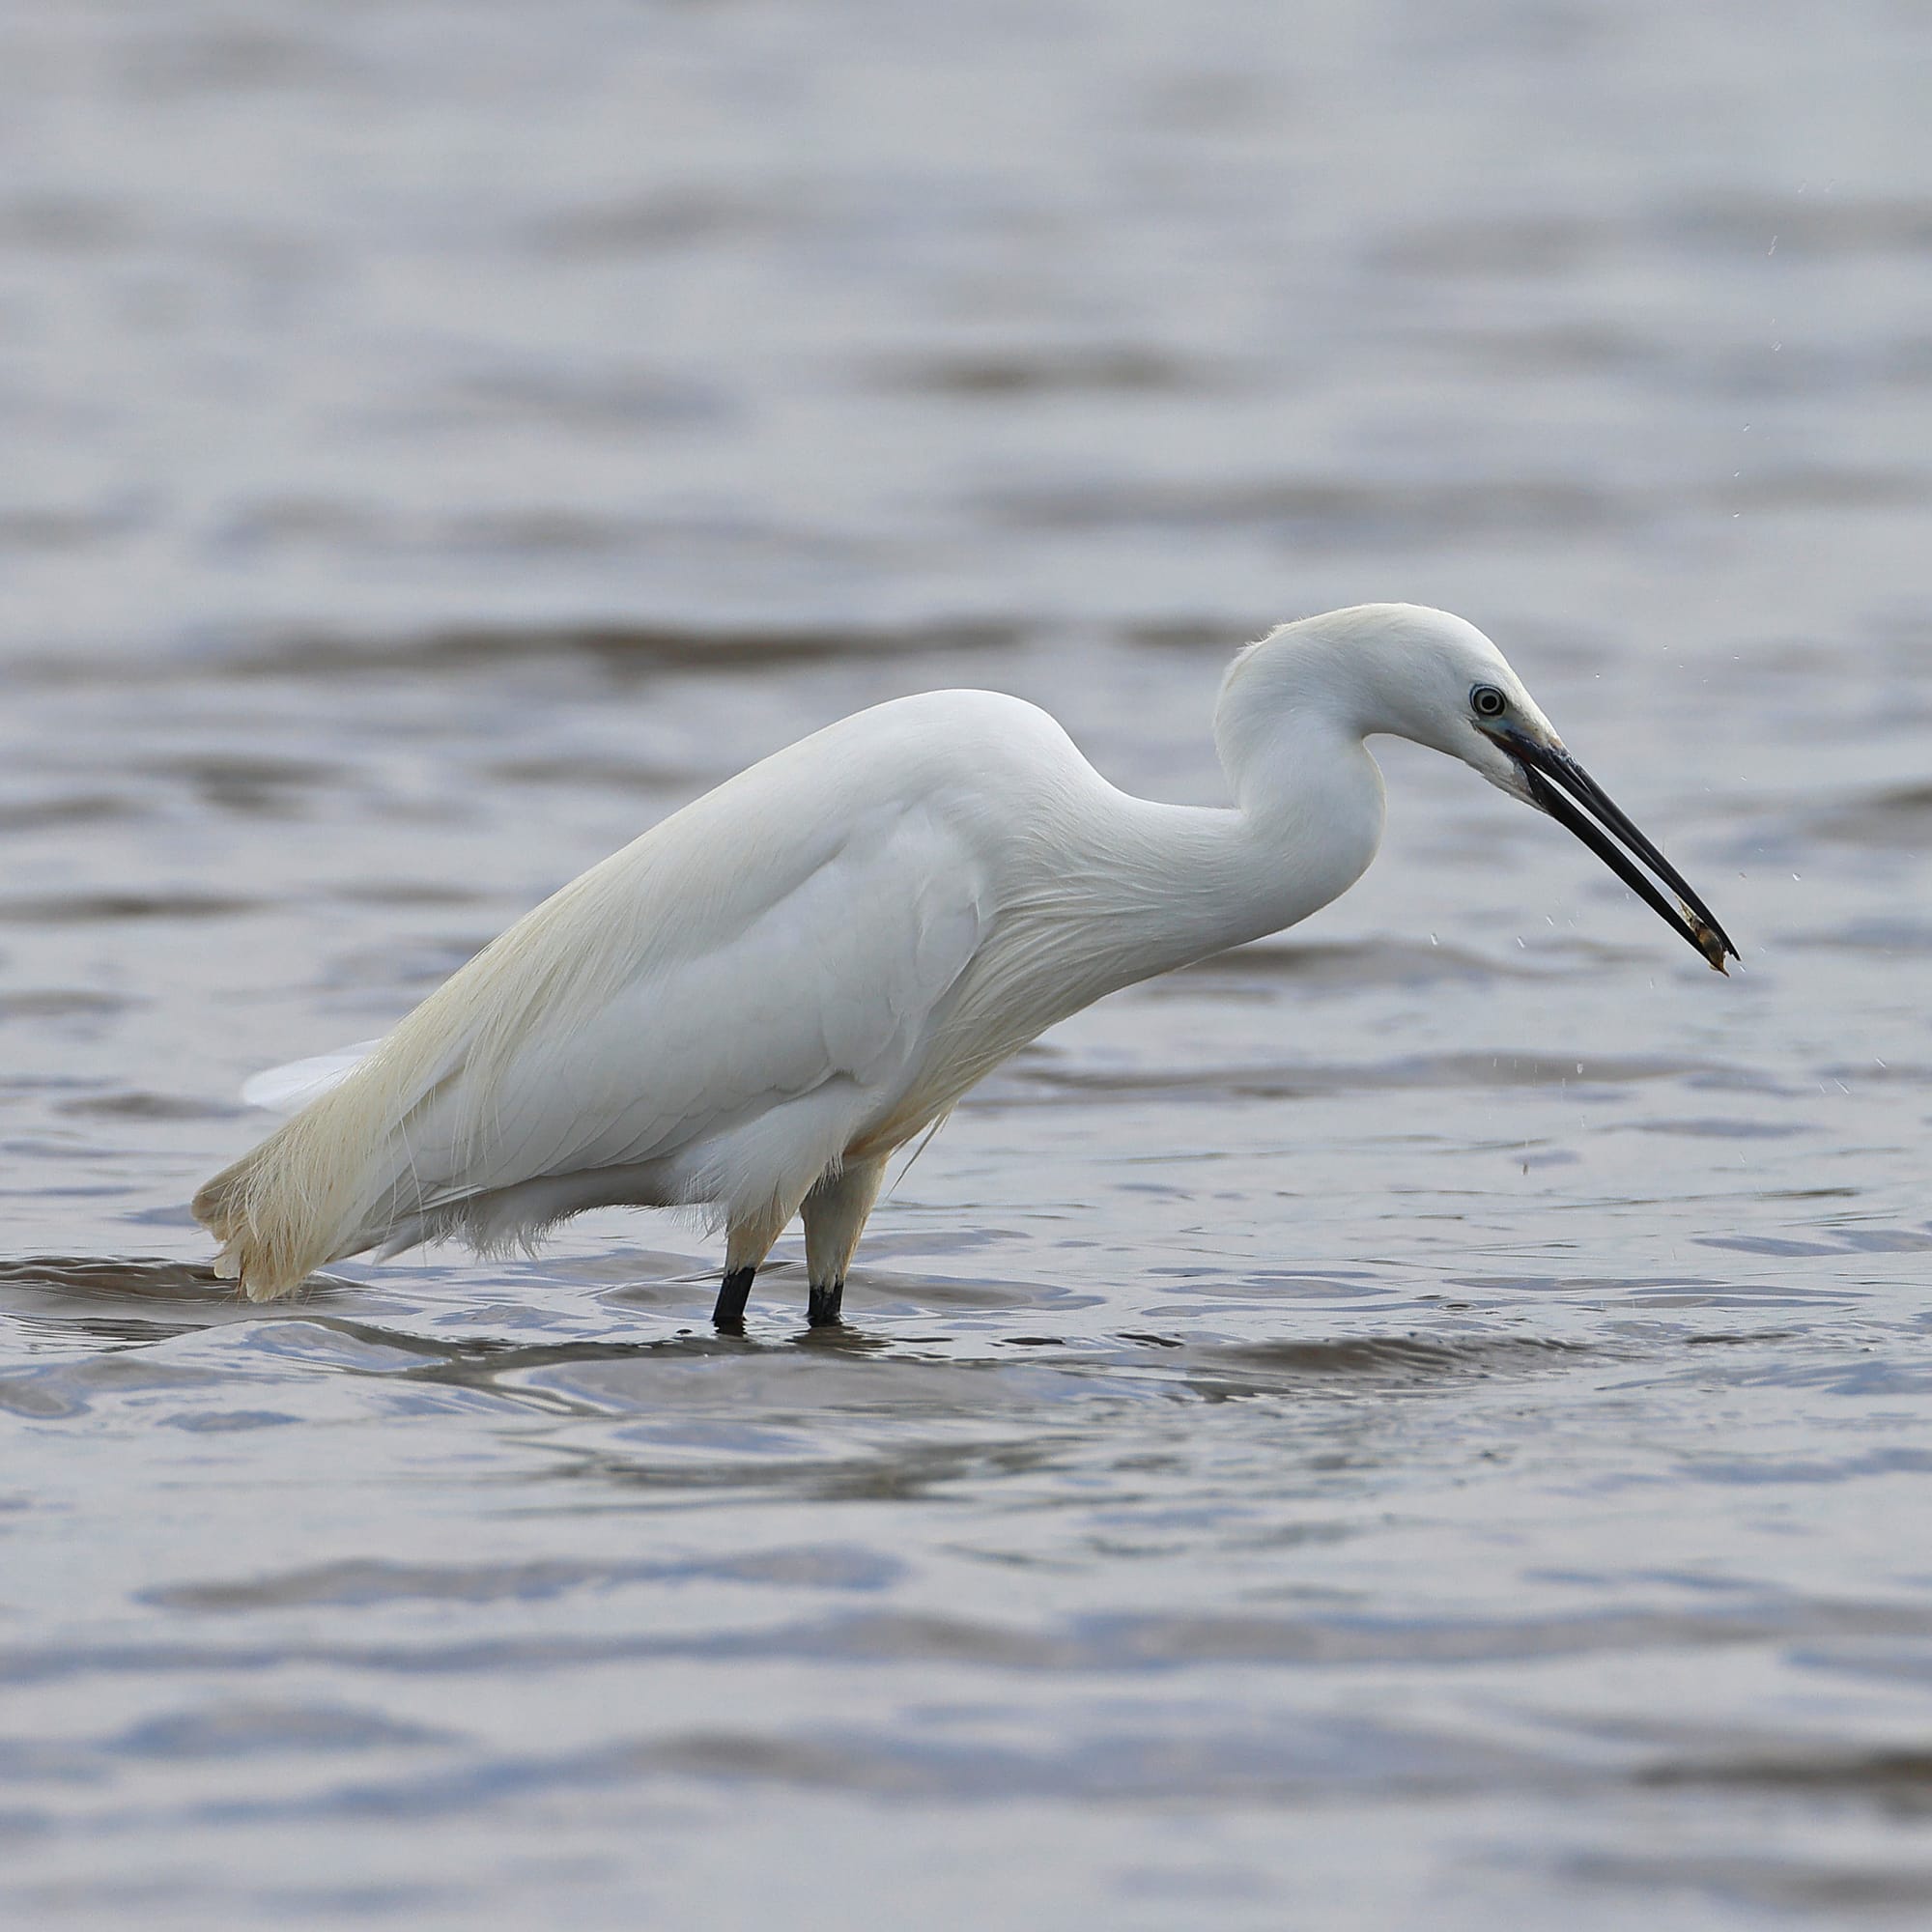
[1425,1422]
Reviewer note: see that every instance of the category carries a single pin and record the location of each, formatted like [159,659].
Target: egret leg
[747,1243]
[732,1292]
[835,1216]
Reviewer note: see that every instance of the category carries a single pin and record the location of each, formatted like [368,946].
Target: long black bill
[1545,768]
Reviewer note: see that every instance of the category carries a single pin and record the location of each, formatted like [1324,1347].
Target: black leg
[821,1311]
[730,1313]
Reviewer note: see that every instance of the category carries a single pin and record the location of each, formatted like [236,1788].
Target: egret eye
[1487,701]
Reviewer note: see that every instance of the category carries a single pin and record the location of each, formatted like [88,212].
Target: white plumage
[752,1006]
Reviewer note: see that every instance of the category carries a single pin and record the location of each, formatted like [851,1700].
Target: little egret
[752,1006]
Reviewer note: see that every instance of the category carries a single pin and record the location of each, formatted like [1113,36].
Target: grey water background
[1424,1422]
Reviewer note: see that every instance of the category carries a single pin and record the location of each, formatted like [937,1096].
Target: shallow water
[1425,1421]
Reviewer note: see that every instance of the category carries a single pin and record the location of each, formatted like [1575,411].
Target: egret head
[1434,678]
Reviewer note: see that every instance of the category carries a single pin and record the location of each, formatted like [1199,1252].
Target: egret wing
[821,988]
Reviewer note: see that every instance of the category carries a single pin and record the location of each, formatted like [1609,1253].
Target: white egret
[753,1006]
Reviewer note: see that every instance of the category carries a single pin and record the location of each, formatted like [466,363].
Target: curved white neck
[1126,889]
[1171,884]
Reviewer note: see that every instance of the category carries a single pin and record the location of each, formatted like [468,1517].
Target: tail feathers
[277,1225]
[288,1090]
[342,1176]
[335,1179]
[271,1214]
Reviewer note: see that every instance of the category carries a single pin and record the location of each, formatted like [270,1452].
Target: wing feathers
[647,1017]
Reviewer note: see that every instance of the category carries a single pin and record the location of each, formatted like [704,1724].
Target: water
[1423,1423]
